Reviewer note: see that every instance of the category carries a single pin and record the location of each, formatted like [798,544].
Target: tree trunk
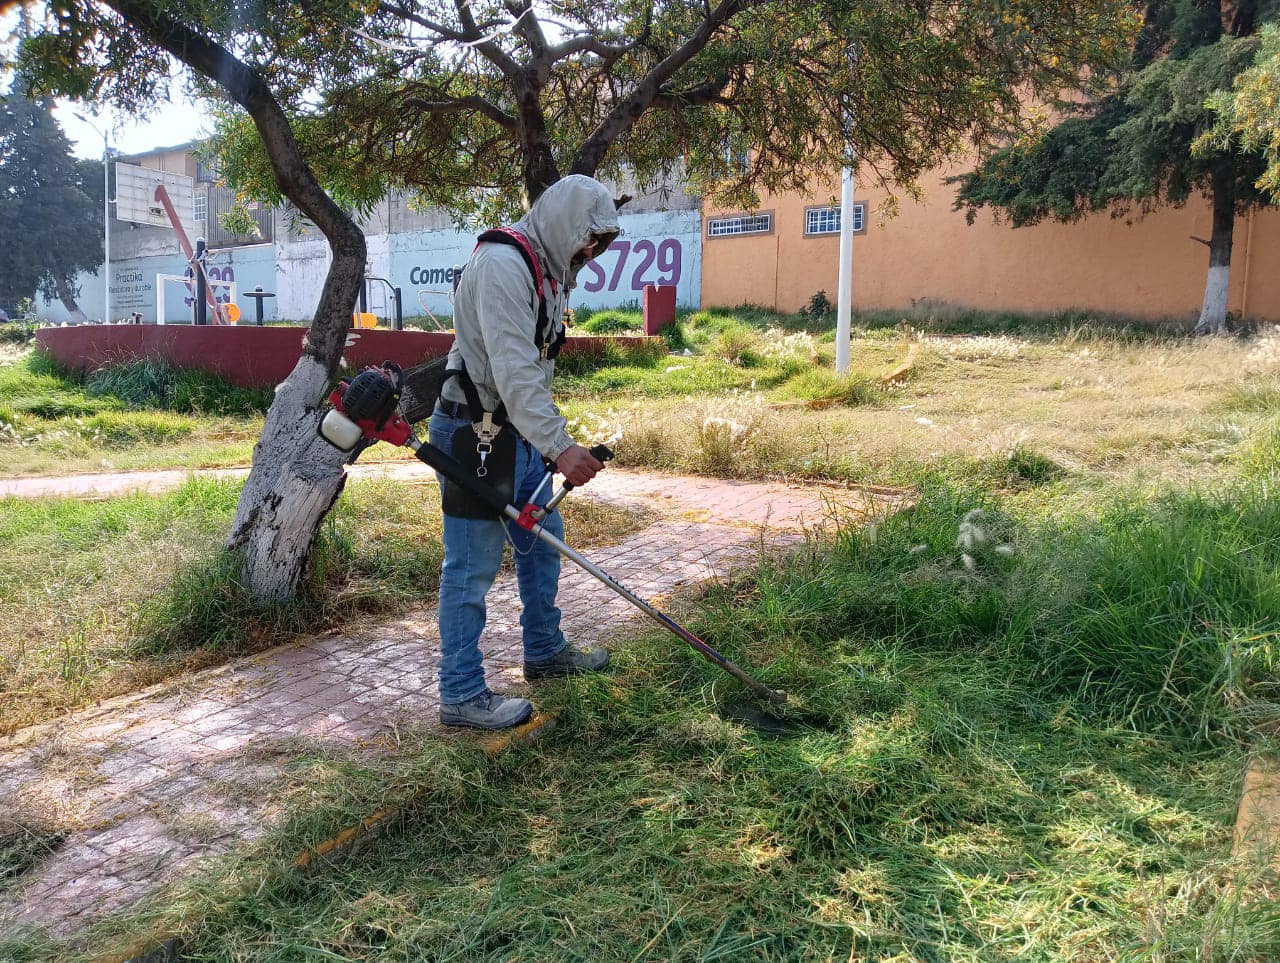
[540,169]
[1213,313]
[68,299]
[296,478]
[296,475]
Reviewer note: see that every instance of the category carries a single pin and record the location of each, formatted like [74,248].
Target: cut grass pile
[1035,754]
[99,597]
[143,414]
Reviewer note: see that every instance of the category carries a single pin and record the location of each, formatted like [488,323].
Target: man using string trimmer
[496,417]
[488,425]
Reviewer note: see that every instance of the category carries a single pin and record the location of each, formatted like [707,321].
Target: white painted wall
[663,247]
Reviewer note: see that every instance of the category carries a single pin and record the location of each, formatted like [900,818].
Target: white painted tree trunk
[296,478]
[68,300]
[1213,313]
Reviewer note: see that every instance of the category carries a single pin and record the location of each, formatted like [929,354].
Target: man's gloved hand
[578,465]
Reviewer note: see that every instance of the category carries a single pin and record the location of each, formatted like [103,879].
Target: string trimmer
[381,404]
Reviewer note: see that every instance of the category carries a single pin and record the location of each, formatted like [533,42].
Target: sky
[177,122]
[171,124]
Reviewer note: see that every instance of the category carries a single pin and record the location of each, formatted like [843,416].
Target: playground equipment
[258,294]
[225,309]
[397,317]
[145,196]
[426,292]
[439,325]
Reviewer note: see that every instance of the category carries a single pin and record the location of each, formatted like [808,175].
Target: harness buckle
[485,431]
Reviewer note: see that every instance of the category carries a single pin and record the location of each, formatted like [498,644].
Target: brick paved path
[114,483]
[147,784]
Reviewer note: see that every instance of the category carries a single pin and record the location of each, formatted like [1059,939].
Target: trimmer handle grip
[599,453]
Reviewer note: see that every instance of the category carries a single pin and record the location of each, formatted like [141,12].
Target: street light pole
[844,296]
[106,217]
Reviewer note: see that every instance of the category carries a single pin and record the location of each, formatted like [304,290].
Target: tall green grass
[611,322]
[151,383]
[377,552]
[1160,613]
[582,363]
[1035,754]
[136,415]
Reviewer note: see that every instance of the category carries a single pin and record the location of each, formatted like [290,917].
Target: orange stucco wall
[1143,266]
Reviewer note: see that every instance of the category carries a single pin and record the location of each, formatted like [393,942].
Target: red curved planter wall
[250,357]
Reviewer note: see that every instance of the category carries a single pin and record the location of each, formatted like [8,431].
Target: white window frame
[828,220]
[200,206]
[740,225]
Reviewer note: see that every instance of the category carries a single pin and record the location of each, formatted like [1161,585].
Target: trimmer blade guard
[421,388]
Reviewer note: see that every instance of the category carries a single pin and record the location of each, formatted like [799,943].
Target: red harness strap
[548,344]
[521,242]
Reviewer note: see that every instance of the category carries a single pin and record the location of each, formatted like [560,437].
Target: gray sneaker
[487,711]
[568,661]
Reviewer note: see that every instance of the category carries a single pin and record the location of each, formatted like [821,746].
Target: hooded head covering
[565,218]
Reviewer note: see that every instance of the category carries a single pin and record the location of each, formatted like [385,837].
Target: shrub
[823,384]
[17,332]
[583,362]
[738,344]
[611,322]
[819,306]
[727,432]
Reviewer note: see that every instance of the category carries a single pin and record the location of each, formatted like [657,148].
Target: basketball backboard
[136,196]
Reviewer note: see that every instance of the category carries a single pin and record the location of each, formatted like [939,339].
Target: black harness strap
[473,396]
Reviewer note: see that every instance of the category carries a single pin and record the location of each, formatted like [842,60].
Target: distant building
[1150,267]
[778,256]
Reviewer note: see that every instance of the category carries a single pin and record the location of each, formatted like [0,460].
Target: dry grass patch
[102,597]
[1121,409]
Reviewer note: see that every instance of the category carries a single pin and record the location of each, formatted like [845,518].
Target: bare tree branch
[489,48]
[626,113]
[527,26]
[590,43]
[459,105]
[710,92]
[445,33]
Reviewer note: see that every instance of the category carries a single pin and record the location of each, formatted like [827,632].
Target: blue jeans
[472,553]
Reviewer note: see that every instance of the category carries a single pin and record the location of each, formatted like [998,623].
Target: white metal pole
[106,228]
[844,300]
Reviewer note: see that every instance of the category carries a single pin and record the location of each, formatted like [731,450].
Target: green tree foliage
[478,107]
[1131,149]
[50,205]
[1249,115]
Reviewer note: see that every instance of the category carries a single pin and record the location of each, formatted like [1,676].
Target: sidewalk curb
[165,947]
[1258,815]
